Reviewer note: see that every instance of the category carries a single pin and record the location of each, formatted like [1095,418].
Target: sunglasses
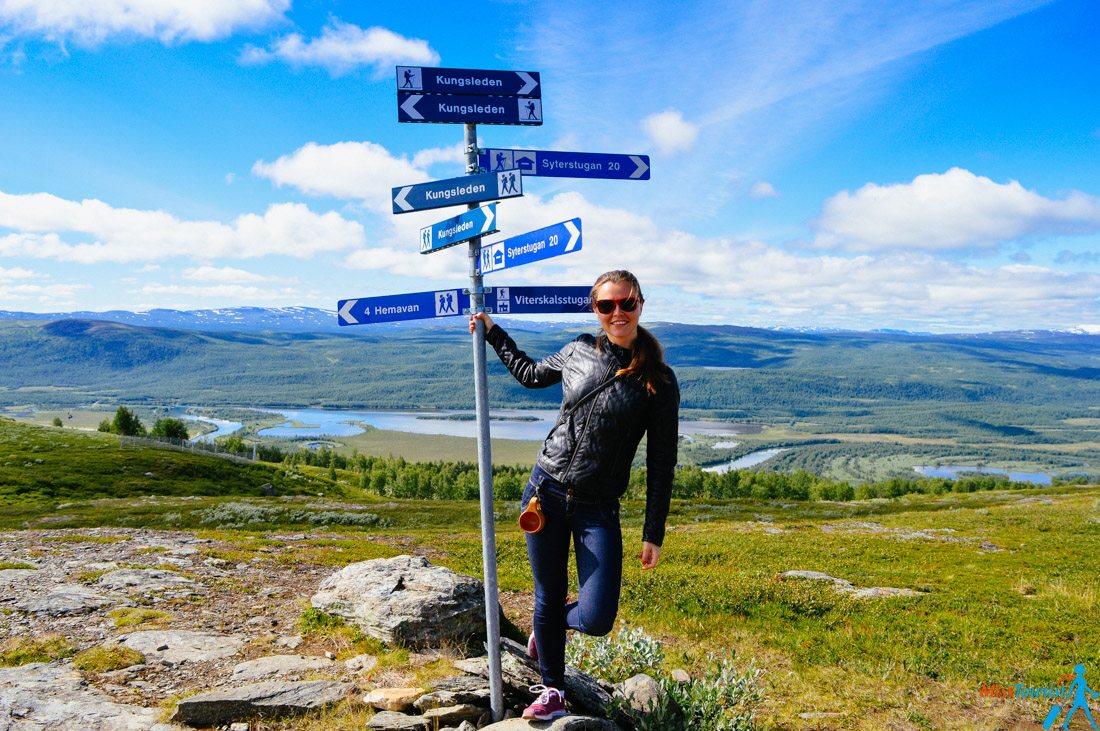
[626,304]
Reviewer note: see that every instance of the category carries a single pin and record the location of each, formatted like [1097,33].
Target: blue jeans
[598,541]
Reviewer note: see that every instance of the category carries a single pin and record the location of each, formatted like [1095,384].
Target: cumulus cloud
[763,189]
[7,275]
[344,47]
[350,170]
[169,21]
[953,210]
[109,234]
[670,132]
[436,155]
[17,291]
[216,293]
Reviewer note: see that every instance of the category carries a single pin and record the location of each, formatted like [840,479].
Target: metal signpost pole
[484,459]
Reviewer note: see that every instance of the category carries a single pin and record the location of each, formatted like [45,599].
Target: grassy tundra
[1006,580]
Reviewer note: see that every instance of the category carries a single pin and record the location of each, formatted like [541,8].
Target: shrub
[616,658]
[170,428]
[25,650]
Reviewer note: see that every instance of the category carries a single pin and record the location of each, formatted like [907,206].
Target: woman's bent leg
[598,540]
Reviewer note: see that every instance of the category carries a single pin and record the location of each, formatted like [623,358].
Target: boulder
[391,721]
[268,700]
[393,699]
[406,601]
[64,599]
[145,581]
[642,693]
[49,696]
[279,665]
[176,646]
[450,715]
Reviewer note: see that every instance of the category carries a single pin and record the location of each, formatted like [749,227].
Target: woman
[615,389]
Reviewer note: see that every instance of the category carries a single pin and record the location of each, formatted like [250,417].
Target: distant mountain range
[313,319]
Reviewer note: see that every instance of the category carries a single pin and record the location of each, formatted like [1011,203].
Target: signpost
[555,164]
[470,97]
[390,308]
[463,227]
[453,302]
[533,300]
[465,109]
[479,82]
[455,191]
[543,243]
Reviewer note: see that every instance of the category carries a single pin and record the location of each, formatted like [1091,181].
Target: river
[521,424]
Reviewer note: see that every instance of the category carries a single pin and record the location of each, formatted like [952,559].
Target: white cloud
[343,47]
[90,22]
[224,274]
[217,294]
[111,234]
[670,132]
[350,170]
[952,210]
[432,156]
[763,189]
[7,275]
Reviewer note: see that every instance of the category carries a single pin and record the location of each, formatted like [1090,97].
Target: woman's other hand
[484,318]
[650,555]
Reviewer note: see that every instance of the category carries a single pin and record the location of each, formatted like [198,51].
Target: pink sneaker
[549,705]
[532,647]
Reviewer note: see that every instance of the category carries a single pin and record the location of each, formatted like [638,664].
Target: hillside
[1022,397]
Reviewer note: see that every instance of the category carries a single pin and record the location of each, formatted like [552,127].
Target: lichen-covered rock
[405,600]
[269,700]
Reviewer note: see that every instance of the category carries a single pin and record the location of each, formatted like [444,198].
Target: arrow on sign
[642,166]
[490,216]
[529,83]
[544,243]
[409,106]
[399,199]
[574,235]
[345,313]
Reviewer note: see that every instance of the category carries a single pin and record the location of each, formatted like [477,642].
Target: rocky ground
[210,623]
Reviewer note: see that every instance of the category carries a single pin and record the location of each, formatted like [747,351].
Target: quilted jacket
[591,448]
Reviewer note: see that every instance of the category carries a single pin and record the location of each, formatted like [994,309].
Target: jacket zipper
[584,430]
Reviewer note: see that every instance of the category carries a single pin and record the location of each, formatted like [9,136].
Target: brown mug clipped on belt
[531,520]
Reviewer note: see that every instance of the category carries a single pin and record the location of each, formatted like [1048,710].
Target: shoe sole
[547,717]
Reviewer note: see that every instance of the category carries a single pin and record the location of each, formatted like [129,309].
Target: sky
[929,166]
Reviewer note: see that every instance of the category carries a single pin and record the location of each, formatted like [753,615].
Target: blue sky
[847,164]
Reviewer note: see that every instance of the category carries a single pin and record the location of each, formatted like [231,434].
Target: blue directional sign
[456,108]
[561,238]
[412,306]
[463,227]
[478,82]
[532,300]
[551,163]
[454,191]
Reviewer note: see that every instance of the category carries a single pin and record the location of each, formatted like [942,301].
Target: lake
[522,424]
[952,472]
[743,463]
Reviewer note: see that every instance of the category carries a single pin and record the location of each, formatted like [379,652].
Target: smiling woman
[616,388]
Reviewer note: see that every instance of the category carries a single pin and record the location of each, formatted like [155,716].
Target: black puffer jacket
[591,450]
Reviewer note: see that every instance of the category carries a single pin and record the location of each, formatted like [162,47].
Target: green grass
[1008,582]
[25,650]
[44,464]
[105,658]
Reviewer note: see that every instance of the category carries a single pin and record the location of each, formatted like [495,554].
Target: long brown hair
[647,363]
